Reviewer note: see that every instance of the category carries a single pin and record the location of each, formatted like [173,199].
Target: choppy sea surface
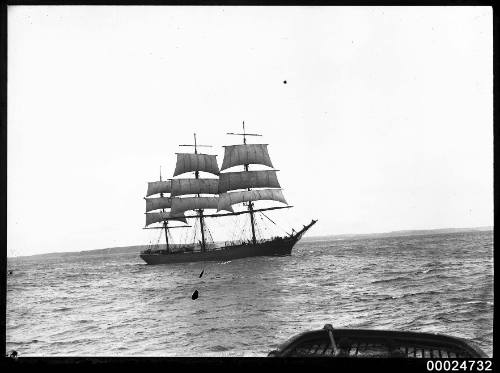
[115,305]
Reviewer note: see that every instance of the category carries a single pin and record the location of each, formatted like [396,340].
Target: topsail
[187,162]
[247,179]
[158,203]
[228,199]
[158,217]
[180,205]
[194,186]
[239,155]
[158,187]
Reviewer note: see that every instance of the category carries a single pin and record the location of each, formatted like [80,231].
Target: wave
[148,309]
[407,295]
[479,302]
[429,270]
[394,279]
[219,348]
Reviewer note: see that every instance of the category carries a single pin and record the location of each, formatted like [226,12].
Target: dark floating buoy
[284,81]
[10,272]
[195,295]
[201,274]
[13,354]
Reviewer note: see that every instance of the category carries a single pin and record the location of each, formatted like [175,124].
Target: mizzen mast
[160,204]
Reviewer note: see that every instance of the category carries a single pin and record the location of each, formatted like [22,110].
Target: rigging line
[240,228]
[284,230]
[265,228]
[210,234]
[159,238]
[203,265]
[154,245]
[258,229]
[195,232]
[268,218]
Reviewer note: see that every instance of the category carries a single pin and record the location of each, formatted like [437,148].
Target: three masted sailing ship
[203,193]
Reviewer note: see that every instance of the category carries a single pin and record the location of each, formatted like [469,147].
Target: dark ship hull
[280,246]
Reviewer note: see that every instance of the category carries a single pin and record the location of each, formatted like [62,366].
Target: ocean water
[115,305]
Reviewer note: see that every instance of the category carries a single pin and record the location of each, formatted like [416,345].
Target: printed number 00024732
[459,365]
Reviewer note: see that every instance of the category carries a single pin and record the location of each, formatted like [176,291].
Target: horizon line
[486,227]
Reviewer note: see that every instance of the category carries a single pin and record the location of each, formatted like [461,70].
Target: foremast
[246,166]
[245,155]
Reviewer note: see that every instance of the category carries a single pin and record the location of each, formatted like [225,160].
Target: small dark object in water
[13,354]
[330,342]
[284,81]
[195,295]
[201,274]
[10,272]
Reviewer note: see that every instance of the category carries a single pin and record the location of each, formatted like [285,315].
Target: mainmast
[165,222]
[200,211]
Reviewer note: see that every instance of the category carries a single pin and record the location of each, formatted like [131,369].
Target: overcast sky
[385,121]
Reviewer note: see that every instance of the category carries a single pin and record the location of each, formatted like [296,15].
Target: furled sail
[158,203]
[187,162]
[179,205]
[247,179]
[158,187]
[237,155]
[156,217]
[228,199]
[194,186]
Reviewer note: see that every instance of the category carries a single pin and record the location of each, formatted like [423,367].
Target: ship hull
[279,247]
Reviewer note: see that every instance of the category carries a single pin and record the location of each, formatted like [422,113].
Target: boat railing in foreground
[330,342]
